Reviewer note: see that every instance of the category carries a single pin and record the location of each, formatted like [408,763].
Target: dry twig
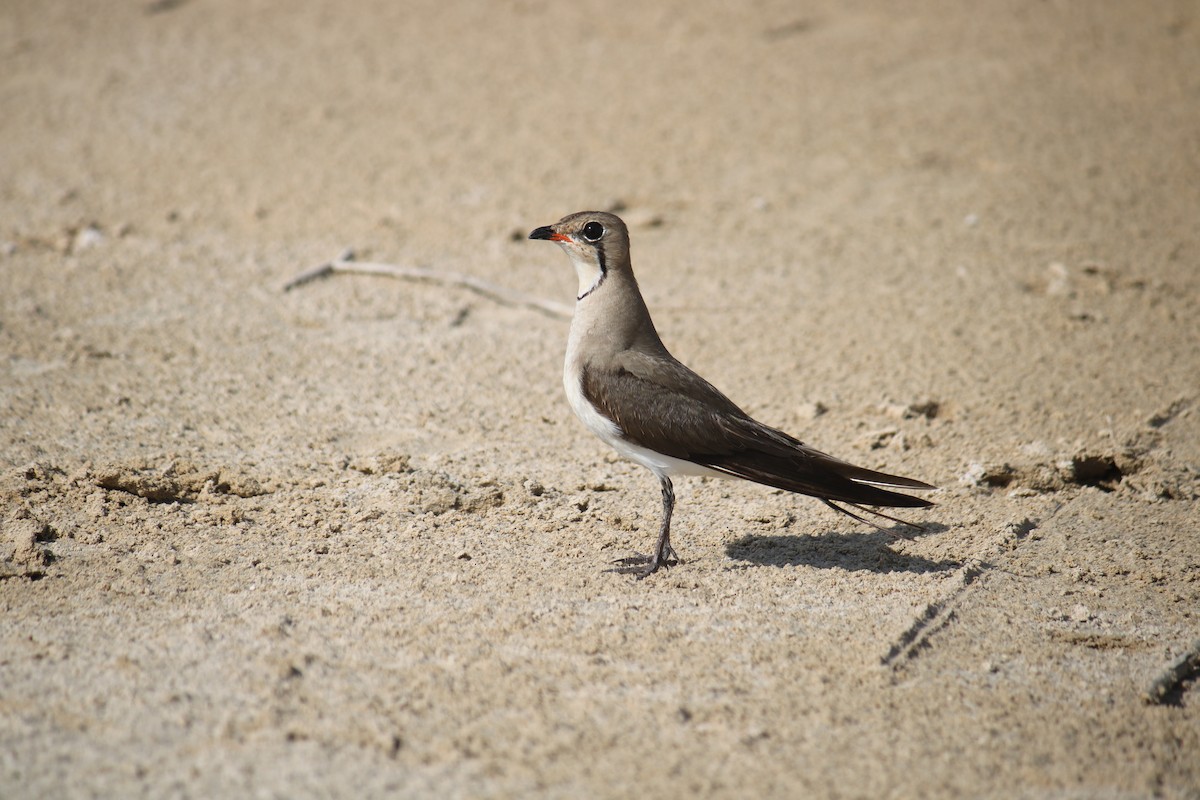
[346,263]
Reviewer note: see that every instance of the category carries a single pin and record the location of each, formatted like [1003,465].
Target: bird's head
[596,242]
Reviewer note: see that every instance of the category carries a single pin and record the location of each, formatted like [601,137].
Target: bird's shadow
[849,551]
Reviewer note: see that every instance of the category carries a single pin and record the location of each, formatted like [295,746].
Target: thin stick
[346,263]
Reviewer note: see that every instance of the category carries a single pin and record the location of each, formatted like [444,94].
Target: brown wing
[661,404]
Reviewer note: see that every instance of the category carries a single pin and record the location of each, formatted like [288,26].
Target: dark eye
[593,231]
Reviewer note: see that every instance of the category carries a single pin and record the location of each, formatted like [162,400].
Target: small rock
[876,440]
[1015,531]
[379,463]
[924,408]
[1058,279]
[1178,408]
[236,483]
[24,534]
[1080,613]
[921,408]
[436,492]
[482,499]
[85,238]
[974,475]
[811,410]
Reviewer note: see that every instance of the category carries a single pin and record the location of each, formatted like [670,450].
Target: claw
[643,565]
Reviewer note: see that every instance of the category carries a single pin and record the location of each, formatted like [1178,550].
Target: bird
[627,389]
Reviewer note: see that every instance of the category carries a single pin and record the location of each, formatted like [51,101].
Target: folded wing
[659,403]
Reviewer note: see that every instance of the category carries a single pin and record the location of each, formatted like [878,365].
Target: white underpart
[608,432]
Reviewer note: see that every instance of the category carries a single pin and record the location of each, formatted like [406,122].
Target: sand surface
[348,540]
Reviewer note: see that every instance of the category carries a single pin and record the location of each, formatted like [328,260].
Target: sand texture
[348,540]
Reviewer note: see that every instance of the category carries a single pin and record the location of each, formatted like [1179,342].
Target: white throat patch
[589,275]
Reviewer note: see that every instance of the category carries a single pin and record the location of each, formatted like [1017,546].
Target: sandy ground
[348,540]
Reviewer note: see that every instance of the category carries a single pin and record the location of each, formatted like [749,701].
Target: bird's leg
[664,554]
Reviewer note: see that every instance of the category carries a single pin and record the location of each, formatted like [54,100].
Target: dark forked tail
[835,482]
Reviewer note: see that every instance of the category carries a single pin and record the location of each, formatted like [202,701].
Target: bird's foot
[643,565]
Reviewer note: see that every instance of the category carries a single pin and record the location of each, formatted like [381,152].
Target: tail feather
[868,521]
[824,484]
[874,478]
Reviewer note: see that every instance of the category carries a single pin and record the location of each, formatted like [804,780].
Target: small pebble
[86,238]
[811,410]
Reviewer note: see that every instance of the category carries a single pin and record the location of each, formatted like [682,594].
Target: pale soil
[348,540]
